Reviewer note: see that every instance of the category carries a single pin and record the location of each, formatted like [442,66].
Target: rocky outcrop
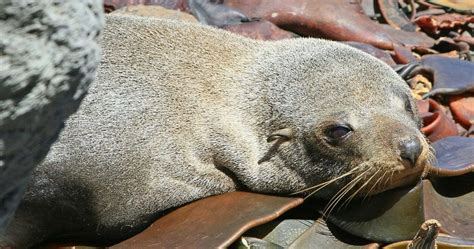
[48,57]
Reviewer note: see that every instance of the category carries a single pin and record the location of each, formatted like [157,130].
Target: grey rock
[48,58]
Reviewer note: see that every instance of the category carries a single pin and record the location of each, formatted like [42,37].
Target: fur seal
[181,111]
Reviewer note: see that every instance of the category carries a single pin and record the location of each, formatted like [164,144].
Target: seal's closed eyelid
[412,110]
[405,98]
[409,106]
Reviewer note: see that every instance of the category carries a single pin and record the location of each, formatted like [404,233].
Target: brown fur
[181,111]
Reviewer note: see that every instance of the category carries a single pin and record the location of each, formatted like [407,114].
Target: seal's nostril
[410,150]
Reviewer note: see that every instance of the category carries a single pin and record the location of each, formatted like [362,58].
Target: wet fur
[181,111]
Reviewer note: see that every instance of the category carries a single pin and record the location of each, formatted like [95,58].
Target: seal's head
[342,114]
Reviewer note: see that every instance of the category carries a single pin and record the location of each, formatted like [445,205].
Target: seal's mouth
[386,177]
[394,180]
[373,177]
[399,174]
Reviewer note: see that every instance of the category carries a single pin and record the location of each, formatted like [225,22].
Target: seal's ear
[281,135]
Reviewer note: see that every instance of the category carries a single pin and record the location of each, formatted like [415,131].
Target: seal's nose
[410,150]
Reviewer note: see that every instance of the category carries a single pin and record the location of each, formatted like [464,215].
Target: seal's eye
[337,133]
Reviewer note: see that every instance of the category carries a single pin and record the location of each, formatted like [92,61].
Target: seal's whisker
[431,154]
[329,182]
[388,178]
[323,186]
[349,189]
[341,193]
[339,198]
[375,184]
[326,182]
[336,195]
[391,176]
[346,202]
[430,161]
